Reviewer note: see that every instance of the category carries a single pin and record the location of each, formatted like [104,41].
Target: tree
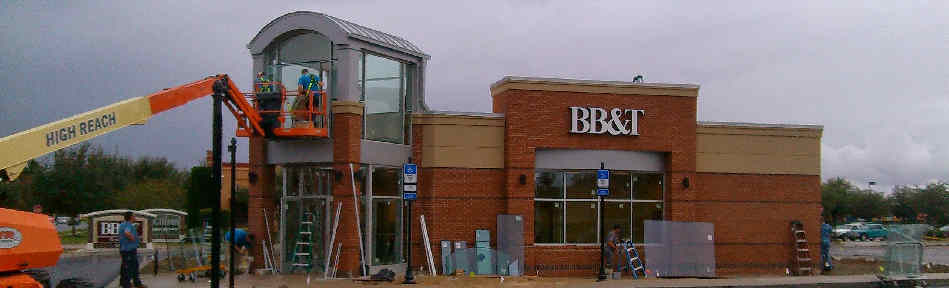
[836,194]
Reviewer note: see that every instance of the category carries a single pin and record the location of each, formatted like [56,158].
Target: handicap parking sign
[410,173]
[603,178]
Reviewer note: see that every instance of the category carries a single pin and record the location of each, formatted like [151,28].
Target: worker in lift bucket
[242,245]
[308,85]
[262,84]
[128,248]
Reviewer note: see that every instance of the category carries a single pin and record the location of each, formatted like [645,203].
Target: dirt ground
[166,278]
[869,266]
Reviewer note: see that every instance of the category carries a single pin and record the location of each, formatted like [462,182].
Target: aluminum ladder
[633,263]
[303,247]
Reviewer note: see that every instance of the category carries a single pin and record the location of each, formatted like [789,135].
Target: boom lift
[28,240]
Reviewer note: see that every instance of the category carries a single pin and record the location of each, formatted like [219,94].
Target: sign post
[602,190]
[409,194]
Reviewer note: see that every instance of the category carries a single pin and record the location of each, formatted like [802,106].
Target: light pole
[602,275]
[233,149]
[408,195]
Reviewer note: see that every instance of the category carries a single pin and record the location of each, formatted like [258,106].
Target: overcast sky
[874,74]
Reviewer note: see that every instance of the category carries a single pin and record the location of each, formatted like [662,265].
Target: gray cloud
[873,73]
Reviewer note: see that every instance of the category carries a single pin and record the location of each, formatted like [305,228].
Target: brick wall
[752,215]
[541,119]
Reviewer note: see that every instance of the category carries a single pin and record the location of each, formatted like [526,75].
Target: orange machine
[276,113]
[29,240]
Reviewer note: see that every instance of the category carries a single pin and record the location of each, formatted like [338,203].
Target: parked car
[868,232]
[842,232]
[62,220]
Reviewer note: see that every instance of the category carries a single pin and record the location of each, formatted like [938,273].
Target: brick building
[534,156]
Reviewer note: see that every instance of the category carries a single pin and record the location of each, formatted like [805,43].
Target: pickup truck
[868,232]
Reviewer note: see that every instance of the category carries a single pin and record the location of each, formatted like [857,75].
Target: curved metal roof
[116,211]
[312,20]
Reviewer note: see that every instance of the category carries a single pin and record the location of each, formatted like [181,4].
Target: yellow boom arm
[19,148]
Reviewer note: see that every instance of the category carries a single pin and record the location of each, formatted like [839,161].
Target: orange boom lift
[29,240]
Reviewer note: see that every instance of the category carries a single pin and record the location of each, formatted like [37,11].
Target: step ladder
[801,260]
[633,263]
[303,247]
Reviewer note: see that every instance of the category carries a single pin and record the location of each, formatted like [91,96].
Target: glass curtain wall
[296,51]
[384,214]
[306,198]
[566,207]
[385,84]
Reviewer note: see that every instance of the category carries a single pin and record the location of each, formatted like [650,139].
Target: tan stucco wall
[461,141]
[758,149]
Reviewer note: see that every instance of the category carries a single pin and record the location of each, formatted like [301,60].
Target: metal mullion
[563,194]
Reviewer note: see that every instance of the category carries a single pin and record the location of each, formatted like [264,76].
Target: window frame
[599,208]
[403,90]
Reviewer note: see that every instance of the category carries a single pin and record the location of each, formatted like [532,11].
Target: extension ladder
[303,247]
[801,253]
[633,262]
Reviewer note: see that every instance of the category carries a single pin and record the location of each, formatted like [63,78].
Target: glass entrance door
[386,228]
[385,214]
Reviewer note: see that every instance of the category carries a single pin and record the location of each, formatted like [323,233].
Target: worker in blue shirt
[306,85]
[128,248]
[308,82]
[243,242]
[825,232]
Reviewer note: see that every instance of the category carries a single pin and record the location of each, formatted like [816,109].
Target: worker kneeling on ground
[242,246]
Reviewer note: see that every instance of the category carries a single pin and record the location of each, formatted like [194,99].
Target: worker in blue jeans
[825,232]
[128,248]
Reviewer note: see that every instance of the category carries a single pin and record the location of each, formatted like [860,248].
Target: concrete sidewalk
[168,280]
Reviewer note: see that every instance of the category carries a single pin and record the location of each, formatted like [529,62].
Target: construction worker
[825,233]
[612,250]
[306,85]
[241,245]
[128,248]
[262,84]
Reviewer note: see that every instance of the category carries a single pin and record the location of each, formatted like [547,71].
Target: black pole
[233,149]
[409,278]
[216,132]
[602,275]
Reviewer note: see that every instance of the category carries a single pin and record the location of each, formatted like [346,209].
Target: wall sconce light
[252,177]
[522,179]
[685,182]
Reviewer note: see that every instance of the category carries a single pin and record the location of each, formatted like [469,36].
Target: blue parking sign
[603,178]
[409,196]
[602,192]
[409,174]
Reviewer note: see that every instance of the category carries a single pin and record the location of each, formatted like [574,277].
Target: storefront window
[620,186]
[565,205]
[581,222]
[548,221]
[643,211]
[581,185]
[385,181]
[383,95]
[617,213]
[549,184]
[648,187]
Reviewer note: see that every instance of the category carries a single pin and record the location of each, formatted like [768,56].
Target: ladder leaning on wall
[303,245]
